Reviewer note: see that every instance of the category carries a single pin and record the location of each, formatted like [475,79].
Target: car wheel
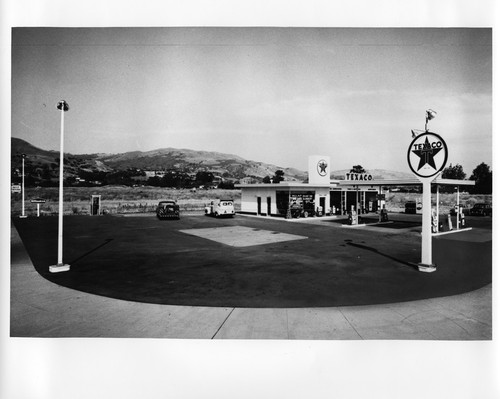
[306,214]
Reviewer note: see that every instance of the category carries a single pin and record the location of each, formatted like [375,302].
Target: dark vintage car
[302,210]
[481,209]
[167,210]
[413,207]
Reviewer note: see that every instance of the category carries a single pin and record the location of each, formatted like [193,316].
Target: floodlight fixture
[62,105]
[429,115]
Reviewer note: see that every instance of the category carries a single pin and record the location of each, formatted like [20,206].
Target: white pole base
[23,216]
[59,268]
[426,268]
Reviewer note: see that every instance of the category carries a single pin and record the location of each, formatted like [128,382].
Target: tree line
[482,175]
[37,174]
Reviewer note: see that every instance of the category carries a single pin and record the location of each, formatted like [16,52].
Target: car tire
[306,214]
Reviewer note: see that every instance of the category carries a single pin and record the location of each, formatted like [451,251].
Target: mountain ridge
[230,166]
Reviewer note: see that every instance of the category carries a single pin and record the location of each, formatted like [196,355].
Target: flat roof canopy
[350,183]
[287,184]
[404,182]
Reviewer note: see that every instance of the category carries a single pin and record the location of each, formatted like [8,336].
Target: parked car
[302,210]
[220,208]
[167,210]
[413,207]
[481,209]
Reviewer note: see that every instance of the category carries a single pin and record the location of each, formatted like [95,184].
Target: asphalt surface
[40,308]
[301,264]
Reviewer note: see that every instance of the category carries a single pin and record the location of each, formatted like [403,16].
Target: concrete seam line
[287,325]
[354,328]
[223,323]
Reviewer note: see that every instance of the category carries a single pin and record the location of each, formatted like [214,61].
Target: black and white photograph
[190,193]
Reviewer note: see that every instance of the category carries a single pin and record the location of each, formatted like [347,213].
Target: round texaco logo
[322,165]
[427,154]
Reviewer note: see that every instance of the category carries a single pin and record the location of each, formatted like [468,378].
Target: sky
[275,95]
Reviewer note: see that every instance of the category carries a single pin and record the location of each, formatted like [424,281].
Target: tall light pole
[22,190]
[60,266]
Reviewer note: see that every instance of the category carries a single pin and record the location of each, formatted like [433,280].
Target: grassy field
[395,202]
[123,199]
[119,199]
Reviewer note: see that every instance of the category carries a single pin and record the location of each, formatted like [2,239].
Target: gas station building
[324,196]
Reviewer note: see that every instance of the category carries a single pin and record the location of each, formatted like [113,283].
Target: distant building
[154,173]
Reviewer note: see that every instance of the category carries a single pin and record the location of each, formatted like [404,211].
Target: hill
[44,163]
[191,161]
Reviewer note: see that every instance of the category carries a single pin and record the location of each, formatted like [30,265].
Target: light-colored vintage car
[220,208]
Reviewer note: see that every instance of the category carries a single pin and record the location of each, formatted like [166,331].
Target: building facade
[323,196]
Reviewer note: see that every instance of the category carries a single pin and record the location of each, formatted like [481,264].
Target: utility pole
[22,191]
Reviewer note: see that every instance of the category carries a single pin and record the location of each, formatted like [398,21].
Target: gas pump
[95,205]
[353,216]
[383,215]
[459,211]
[461,217]
[434,221]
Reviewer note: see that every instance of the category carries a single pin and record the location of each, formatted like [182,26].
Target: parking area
[254,262]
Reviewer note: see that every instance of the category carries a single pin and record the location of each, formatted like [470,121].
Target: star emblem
[322,165]
[426,154]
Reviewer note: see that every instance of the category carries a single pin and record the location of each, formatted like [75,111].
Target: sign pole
[437,203]
[427,156]
[426,264]
[60,267]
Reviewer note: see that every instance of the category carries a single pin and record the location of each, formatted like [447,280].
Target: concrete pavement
[40,308]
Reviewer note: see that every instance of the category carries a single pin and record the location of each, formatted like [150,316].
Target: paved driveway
[41,308]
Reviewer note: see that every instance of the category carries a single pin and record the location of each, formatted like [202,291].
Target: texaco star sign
[322,165]
[427,155]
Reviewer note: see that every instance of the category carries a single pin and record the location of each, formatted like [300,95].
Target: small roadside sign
[38,201]
[16,188]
